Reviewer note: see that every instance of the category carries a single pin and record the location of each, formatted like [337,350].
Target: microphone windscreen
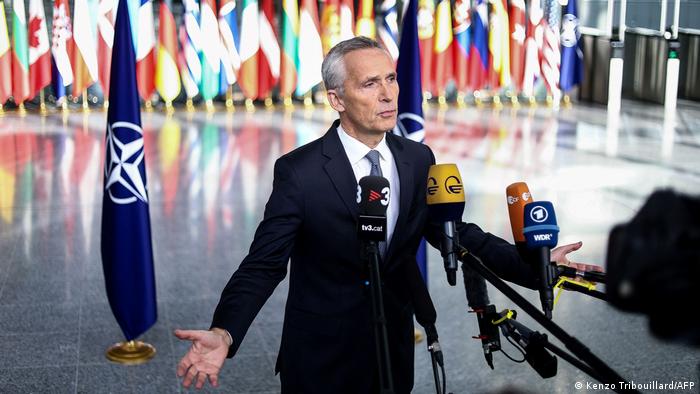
[373,195]
[540,225]
[517,195]
[445,193]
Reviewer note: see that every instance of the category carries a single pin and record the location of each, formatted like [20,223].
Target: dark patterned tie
[376,170]
[373,157]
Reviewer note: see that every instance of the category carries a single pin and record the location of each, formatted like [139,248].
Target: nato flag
[127,257]
[571,52]
[410,109]
[410,122]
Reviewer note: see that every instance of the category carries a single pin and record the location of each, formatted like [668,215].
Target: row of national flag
[265,48]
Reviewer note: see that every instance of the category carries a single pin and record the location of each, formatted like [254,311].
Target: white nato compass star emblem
[411,126]
[124,182]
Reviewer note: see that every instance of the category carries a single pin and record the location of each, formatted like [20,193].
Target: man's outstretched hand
[205,357]
[559,256]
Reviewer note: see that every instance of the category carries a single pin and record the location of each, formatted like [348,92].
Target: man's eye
[369,84]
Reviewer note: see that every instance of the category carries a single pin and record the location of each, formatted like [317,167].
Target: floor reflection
[209,176]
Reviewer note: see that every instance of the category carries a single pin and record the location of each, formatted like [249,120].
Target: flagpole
[249,106]
[42,103]
[21,110]
[460,100]
[229,99]
[130,352]
[268,103]
[2,111]
[308,102]
[86,107]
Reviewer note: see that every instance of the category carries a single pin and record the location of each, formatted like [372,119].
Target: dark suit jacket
[327,339]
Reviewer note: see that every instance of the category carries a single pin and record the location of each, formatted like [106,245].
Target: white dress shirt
[356,152]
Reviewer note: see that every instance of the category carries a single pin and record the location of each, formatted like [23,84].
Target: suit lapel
[339,170]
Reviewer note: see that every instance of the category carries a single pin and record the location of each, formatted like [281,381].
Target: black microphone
[445,199]
[591,276]
[533,343]
[373,195]
[423,306]
[541,235]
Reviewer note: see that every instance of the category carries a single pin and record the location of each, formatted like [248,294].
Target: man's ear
[335,100]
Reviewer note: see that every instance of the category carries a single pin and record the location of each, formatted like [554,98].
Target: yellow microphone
[445,198]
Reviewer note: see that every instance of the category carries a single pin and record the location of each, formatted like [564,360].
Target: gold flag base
[105,105]
[442,101]
[418,335]
[169,109]
[269,104]
[308,101]
[148,105]
[21,110]
[514,101]
[209,105]
[288,102]
[460,101]
[567,101]
[497,102]
[2,111]
[532,101]
[189,105]
[249,105]
[130,352]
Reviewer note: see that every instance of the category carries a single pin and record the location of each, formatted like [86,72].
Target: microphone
[541,235]
[423,306]
[373,198]
[591,276]
[446,201]
[533,343]
[517,195]
[445,198]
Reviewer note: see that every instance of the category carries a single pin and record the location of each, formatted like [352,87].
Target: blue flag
[127,256]
[571,52]
[410,122]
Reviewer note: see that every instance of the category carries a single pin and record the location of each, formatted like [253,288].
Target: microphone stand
[603,372]
[371,251]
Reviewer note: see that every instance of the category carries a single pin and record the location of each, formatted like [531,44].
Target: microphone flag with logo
[541,234]
[540,225]
[410,121]
[127,255]
[373,196]
[445,199]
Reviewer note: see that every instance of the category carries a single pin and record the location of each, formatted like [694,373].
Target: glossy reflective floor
[209,177]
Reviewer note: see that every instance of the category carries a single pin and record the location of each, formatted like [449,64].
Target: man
[327,341]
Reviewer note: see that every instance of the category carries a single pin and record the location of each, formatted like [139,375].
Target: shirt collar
[356,150]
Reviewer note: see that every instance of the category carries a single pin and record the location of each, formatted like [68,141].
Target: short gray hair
[333,67]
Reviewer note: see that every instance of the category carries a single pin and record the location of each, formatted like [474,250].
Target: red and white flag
[517,41]
[105,37]
[551,59]
[533,48]
[85,54]
[269,56]
[146,51]
[39,55]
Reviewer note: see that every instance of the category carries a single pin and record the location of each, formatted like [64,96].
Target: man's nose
[386,93]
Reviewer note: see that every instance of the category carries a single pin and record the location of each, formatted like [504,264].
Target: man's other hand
[559,256]
[205,357]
